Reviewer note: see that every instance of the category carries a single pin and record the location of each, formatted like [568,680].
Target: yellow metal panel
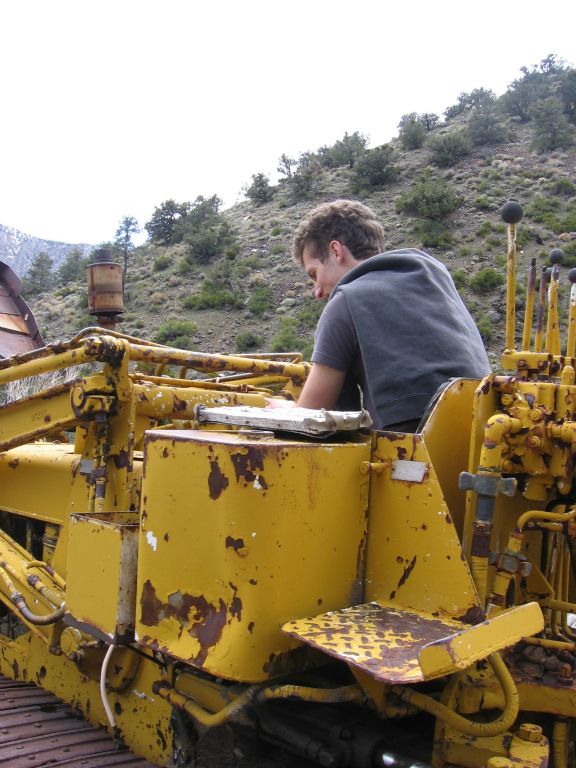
[237,537]
[414,557]
[42,481]
[102,555]
[449,446]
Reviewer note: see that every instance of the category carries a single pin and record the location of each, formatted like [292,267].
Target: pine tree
[40,276]
[123,243]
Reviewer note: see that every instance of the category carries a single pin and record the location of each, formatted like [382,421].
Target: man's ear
[337,249]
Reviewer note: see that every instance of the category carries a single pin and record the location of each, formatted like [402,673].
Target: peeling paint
[217,480]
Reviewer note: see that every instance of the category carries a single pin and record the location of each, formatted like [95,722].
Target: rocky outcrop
[18,249]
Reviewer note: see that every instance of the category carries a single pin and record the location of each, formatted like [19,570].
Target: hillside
[267,302]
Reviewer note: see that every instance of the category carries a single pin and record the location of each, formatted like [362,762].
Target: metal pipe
[56,578]
[511,287]
[529,309]
[559,645]
[558,517]
[571,343]
[560,742]
[540,312]
[215,363]
[552,326]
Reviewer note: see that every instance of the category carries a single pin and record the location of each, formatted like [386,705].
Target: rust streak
[407,571]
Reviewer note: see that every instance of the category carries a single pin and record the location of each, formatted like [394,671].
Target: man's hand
[277,402]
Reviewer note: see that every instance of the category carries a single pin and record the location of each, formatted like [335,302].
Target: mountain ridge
[19,249]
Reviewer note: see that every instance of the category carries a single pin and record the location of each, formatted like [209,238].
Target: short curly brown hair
[348,221]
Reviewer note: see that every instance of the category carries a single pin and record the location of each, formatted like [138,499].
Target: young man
[394,325]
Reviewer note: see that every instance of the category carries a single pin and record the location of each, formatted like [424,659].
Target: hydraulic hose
[460,723]
[20,603]
[208,719]
[349,693]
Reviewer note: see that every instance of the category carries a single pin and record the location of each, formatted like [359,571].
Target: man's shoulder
[399,261]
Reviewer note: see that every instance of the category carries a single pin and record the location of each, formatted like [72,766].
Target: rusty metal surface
[19,330]
[37,729]
[381,640]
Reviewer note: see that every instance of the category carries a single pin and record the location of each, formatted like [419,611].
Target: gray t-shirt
[398,328]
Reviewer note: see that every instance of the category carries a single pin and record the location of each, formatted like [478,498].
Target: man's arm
[322,387]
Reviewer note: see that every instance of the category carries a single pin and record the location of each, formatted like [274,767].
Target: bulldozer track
[37,729]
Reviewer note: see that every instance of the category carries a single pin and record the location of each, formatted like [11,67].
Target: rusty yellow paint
[400,646]
[414,556]
[447,447]
[142,717]
[102,556]
[454,748]
[474,643]
[239,535]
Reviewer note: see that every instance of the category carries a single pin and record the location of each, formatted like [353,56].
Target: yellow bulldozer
[189,578]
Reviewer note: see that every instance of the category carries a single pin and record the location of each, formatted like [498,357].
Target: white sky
[110,107]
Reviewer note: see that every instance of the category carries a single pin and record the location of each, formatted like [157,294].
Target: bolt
[530,732]
[565,675]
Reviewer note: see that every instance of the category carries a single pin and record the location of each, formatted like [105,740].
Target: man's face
[324,274]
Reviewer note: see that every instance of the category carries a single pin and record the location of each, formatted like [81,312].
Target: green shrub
[429,198]
[543,210]
[484,325]
[219,289]
[261,300]
[412,132]
[552,129]
[176,333]
[484,127]
[562,186]
[486,280]
[309,314]
[434,234]
[569,222]
[482,203]
[569,253]
[278,248]
[345,152]
[286,339]
[375,168]
[214,298]
[479,97]
[483,229]
[460,277]
[275,231]
[447,150]
[162,261]
[248,340]
[260,191]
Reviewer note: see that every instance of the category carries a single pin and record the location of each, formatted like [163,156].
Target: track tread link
[37,730]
